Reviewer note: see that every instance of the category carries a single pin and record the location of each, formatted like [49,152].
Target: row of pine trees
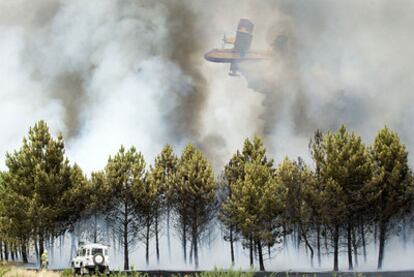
[352,195]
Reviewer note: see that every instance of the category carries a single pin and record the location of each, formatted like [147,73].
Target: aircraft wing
[242,43]
[243,36]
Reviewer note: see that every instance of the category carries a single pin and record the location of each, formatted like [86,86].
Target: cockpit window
[97,251]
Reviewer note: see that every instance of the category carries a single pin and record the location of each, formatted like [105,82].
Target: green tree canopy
[39,175]
[160,179]
[194,194]
[393,183]
[124,178]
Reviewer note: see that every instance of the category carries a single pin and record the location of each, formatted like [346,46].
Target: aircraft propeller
[224,40]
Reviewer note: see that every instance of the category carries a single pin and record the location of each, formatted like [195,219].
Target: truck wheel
[83,270]
[76,271]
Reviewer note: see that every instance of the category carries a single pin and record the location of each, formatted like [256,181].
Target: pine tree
[300,212]
[290,175]
[256,206]
[2,221]
[194,193]
[393,183]
[331,193]
[345,168]
[14,218]
[124,177]
[233,172]
[39,175]
[75,201]
[97,193]
[257,198]
[312,192]
[160,178]
[147,210]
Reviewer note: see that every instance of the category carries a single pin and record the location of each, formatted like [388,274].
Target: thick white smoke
[346,63]
[111,72]
[114,54]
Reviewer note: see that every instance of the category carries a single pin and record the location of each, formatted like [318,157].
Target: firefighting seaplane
[241,49]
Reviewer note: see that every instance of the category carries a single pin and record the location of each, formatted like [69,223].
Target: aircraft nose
[213,56]
[207,56]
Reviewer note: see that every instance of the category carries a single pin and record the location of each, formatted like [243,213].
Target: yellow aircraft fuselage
[231,55]
[241,49]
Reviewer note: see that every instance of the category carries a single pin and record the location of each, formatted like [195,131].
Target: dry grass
[20,272]
[11,270]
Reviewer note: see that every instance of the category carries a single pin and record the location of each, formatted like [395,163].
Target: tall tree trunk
[125,239]
[190,255]
[147,234]
[24,252]
[37,251]
[168,233]
[318,244]
[261,263]
[355,246]
[231,246]
[285,244]
[364,244]
[382,236]
[95,229]
[157,243]
[6,252]
[349,244]
[12,252]
[184,241]
[41,244]
[195,245]
[251,252]
[52,248]
[269,252]
[308,246]
[404,232]
[336,247]
[17,252]
[325,237]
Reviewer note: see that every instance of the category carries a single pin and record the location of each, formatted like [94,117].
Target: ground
[16,270]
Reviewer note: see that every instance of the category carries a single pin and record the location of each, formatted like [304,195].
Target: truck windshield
[97,251]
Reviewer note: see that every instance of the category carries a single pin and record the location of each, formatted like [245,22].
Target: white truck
[90,258]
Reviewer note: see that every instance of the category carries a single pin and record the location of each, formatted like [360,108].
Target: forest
[350,193]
